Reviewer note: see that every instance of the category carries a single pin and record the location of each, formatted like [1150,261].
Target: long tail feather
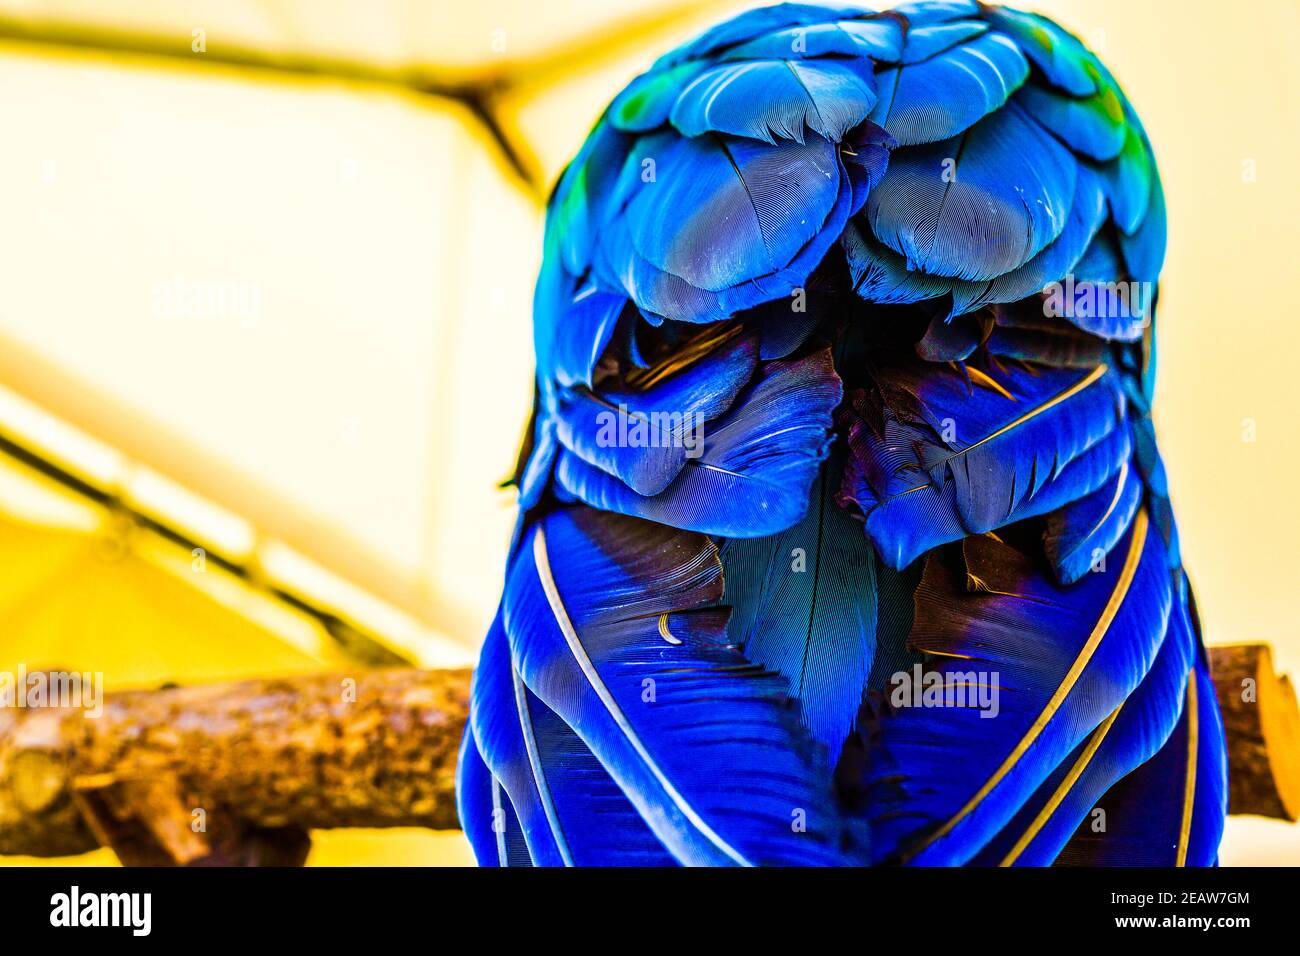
[1170,810]
[989,626]
[486,814]
[805,605]
[623,640]
[570,811]
[1130,735]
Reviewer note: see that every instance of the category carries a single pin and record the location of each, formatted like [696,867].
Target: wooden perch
[1262,722]
[238,773]
[233,773]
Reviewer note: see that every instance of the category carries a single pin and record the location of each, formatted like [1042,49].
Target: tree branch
[1262,722]
[238,773]
[190,775]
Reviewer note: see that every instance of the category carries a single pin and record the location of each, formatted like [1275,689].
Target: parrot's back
[844,536]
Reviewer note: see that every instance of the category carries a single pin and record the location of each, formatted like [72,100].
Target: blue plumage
[590,320]
[486,814]
[985,612]
[961,453]
[827,97]
[844,378]
[806,606]
[941,205]
[667,404]
[1063,60]
[1084,531]
[1128,737]
[554,783]
[934,100]
[610,623]
[756,465]
[1169,811]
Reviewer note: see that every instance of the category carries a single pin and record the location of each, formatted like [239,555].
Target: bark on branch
[1262,722]
[233,773]
[238,773]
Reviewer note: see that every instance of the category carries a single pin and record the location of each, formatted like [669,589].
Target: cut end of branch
[1262,722]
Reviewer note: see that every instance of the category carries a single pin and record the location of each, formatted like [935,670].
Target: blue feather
[646,103]
[881,39]
[921,12]
[1144,250]
[1103,304]
[939,98]
[783,330]
[804,605]
[878,39]
[1059,257]
[590,424]
[784,207]
[570,344]
[929,41]
[1088,527]
[581,203]
[977,205]
[486,815]
[1169,811]
[1049,345]
[754,23]
[757,464]
[1130,735]
[619,639]
[1152,468]
[1093,126]
[1063,60]
[957,457]
[780,99]
[1128,179]
[882,275]
[537,470]
[570,811]
[1062,659]
[865,153]
[949,340]
[771,202]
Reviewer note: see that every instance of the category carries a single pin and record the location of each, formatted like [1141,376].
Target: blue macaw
[844,538]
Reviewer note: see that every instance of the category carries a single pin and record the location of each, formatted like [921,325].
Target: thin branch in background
[472,94]
[354,641]
[478,90]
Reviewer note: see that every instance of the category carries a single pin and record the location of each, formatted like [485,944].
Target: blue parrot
[844,538]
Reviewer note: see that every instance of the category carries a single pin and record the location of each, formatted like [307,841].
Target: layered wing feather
[570,811]
[1129,736]
[757,462]
[623,640]
[486,815]
[939,453]
[972,205]
[986,619]
[1170,810]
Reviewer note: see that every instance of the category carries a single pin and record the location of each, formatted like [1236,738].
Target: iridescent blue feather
[890,280]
